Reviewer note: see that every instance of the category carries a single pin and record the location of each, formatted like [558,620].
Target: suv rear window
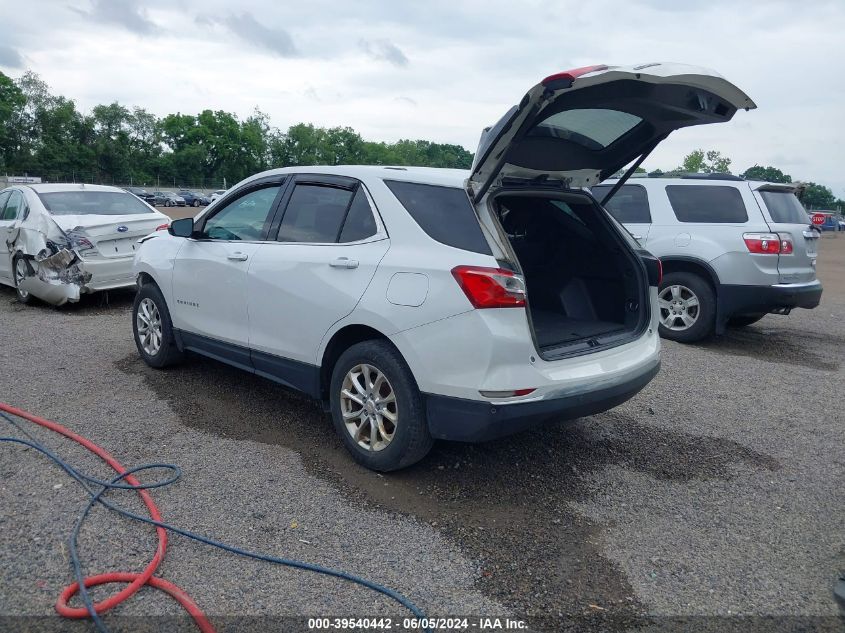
[445,213]
[784,207]
[629,205]
[707,204]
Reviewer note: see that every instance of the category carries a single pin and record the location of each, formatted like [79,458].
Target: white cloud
[470,61]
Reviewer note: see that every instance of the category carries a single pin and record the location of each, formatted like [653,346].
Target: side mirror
[182,228]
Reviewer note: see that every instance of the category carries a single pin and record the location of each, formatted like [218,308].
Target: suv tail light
[785,243]
[763,243]
[490,287]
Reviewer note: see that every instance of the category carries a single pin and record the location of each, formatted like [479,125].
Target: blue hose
[96,496]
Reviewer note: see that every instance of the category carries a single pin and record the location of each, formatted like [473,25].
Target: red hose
[134,581]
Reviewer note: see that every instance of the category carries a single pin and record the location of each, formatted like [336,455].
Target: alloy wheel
[148,320]
[679,307]
[369,408]
[20,275]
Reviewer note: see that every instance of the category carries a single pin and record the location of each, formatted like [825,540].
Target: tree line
[43,134]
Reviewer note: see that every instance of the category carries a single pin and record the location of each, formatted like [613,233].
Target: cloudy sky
[442,70]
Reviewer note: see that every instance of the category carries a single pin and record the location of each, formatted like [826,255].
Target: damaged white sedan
[59,241]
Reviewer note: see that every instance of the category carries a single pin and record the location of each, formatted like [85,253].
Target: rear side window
[360,223]
[707,204]
[314,214]
[784,207]
[444,213]
[629,205]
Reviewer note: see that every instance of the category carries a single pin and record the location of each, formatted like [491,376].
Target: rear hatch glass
[784,207]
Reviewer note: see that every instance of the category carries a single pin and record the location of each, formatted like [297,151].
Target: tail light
[490,287]
[163,227]
[768,243]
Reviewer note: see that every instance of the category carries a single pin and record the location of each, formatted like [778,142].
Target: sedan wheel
[149,326]
[369,408]
[196,203]
[20,275]
[679,307]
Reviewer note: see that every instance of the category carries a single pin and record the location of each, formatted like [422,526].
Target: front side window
[629,205]
[707,204]
[314,214]
[93,203]
[244,217]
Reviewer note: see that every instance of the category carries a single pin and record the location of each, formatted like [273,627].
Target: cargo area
[585,288]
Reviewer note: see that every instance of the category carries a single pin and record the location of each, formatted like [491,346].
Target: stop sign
[818,218]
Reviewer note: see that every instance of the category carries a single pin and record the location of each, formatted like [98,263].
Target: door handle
[237,256]
[344,262]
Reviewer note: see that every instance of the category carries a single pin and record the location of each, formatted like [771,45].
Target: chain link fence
[202,185]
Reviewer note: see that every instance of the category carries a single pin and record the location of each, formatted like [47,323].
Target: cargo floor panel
[553,329]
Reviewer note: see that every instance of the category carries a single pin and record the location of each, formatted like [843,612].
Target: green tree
[710,162]
[816,196]
[12,101]
[766,174]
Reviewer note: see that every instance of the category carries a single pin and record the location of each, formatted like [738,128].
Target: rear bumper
[108,274]
[756,299]
[464,420]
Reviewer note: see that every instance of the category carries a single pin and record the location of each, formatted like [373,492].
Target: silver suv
[732,250]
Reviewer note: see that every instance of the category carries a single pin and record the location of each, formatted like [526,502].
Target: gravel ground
[713,500]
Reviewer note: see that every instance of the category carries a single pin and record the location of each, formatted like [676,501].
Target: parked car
[193,199]
[142,193]
[732,250]
[168,199]
[58,241]
[831,222]
[216,194]
[423,303]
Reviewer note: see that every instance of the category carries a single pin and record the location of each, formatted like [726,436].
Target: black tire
[168,353]
[167,203]
[411,439]
[26,299]
[742,320]
[195,203]
[705,322]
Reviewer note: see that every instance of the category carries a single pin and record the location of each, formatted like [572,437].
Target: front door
[210,273]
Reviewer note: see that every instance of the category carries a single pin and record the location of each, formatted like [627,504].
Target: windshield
[784,207]
[92,203]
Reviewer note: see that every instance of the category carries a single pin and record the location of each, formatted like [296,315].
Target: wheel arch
[340,341]
[681,264]
[696,266]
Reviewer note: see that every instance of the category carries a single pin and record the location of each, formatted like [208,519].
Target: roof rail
[714,176]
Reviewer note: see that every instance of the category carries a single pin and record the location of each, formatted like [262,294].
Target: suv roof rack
[697,176]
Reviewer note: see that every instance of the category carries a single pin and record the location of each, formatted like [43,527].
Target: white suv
[732,250]
[423,303]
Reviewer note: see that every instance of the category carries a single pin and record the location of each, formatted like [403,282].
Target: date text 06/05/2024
[417,624]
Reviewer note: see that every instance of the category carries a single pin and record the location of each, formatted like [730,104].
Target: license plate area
[810,245]
[118,248]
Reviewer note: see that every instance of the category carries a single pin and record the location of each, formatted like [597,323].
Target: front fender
[156,257]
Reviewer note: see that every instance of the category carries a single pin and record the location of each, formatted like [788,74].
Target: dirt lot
[714,500]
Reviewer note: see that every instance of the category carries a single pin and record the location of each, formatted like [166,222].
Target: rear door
[582,125]
[328,243]
[786,216]
[629,205]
